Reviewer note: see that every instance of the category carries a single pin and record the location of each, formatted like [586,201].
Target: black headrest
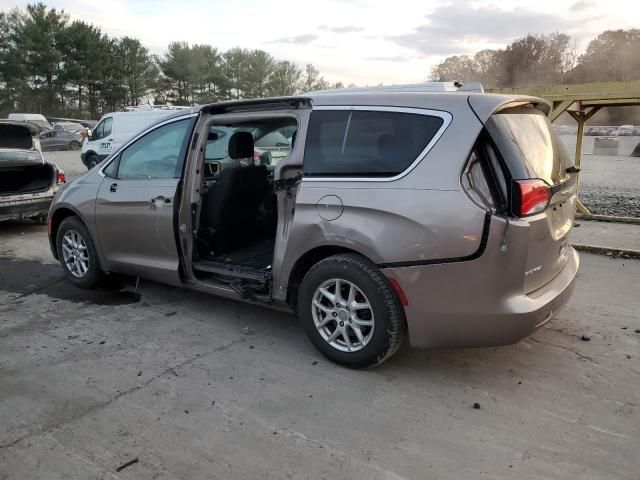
[241,145]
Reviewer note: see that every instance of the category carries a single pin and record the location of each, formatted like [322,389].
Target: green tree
[178,66]
[285,79]
[259,68]
[138,67]
[235,66]
[611,56]
[312,80]
[81,48]
[38,36]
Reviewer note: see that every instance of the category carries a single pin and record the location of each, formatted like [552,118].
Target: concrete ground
[613,235]
[91,380]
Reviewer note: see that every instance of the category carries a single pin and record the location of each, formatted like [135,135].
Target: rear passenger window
[366,143]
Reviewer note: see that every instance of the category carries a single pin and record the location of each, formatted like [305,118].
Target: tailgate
[532,152]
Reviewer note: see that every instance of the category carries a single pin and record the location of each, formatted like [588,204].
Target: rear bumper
[18,208]
[480,303]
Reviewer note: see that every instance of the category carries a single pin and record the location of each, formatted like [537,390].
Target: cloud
[582,5]
[395,58]
[342,29]
[455,29]
[304,39]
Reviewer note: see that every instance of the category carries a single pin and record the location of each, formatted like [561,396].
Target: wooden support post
[581,118]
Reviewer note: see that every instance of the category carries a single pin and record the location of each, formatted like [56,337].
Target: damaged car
[28,183]
[440,216]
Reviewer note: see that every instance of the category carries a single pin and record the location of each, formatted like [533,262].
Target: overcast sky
[364,42]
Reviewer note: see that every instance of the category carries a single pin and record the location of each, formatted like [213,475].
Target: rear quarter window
[366,142]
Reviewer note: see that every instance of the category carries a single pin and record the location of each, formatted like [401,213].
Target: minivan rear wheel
[77,253]
[350,312]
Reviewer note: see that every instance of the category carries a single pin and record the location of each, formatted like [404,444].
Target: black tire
[93,275]
[388,314]
[92,161]
[74,145]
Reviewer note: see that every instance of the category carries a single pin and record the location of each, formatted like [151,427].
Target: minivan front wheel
[77,253]
[350,312]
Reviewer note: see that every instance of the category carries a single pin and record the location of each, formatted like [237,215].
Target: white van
[113,130]
[36,118]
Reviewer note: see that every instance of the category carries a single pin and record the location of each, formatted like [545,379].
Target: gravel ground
[609,185]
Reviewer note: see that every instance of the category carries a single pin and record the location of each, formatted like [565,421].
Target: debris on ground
[170,314]
[139,373]
[102,342]
[246,331]
[628,356]
[476,405]
[315,362]
[128,464]
[637,330]
[585,338]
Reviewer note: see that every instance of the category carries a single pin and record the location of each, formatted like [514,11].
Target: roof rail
[413,87]
[147,108]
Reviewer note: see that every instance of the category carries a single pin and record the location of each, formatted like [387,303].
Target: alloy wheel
[343,315]
[75,253]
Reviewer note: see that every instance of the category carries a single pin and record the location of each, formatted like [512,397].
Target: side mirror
[89,134]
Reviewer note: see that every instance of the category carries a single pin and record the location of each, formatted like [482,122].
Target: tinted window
[107,126]
[366,142]
[98,132]
[530,147]
[159,154]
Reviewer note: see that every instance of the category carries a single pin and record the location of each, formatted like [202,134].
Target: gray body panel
[420,227]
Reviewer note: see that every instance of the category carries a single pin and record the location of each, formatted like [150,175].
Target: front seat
[230,209]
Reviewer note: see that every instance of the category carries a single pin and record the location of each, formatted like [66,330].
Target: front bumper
[481,302]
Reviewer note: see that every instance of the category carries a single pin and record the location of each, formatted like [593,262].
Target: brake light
[61,178]
[530,197]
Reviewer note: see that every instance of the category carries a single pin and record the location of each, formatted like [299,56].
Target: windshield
[530,147]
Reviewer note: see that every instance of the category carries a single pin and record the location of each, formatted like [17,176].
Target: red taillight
[531,197]
[61,177]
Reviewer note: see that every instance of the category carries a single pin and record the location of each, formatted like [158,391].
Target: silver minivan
[375,215]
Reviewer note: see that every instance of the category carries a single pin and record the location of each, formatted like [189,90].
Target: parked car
[444,216]
[597,131]
[27,182]
[36,118]
[60,140]
[113,130]
[71,127]
[624,131]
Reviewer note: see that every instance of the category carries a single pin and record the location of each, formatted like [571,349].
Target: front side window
[366,143]
[158,154]
[98,131]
